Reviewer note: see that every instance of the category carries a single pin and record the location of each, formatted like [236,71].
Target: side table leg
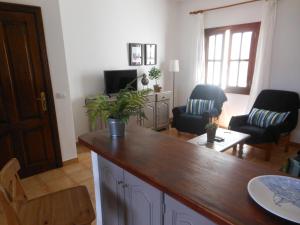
[241,146]
[234,150]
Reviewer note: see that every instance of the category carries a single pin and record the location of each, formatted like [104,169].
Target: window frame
[255,29]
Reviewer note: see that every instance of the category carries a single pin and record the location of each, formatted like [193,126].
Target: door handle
[43,101]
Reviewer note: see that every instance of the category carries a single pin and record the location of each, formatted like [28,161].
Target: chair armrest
[214,113]
[178,110]
[237,121]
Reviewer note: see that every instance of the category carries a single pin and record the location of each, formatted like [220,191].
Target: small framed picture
[135,54]
[150,54]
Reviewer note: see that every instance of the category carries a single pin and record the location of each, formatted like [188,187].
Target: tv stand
[157,111]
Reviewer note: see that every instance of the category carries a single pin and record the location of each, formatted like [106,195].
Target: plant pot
[116,127]
[156,88]
[211,134]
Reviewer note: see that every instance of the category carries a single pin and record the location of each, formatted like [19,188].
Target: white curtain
[261,77]
[199,57]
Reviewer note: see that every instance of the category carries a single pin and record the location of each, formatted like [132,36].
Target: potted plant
[117,111]
[211,129]
[155,74]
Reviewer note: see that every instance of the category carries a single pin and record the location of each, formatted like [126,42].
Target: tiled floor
[68,176]
[80,173]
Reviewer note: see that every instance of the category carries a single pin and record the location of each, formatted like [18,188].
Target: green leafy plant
[211,126]
[154,74]
[126,104]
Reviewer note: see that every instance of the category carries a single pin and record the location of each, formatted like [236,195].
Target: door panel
[179,214]
[143,202]
[3,112]
[112,193]
[21,74]
[24,76]
[34,146]
[7,150]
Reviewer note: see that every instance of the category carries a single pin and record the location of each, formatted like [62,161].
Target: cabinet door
[112,193]
[149,111]
[179,214]
[143,202]
[162,116]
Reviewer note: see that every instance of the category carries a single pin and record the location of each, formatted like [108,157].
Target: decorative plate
[279,195]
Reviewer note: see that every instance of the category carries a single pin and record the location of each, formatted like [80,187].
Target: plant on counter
[211,129]
[211,126]
[117,110]
[155,74]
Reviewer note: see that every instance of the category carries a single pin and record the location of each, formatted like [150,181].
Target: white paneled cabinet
[126,200]
[178,214]
[112,193]
[143,202]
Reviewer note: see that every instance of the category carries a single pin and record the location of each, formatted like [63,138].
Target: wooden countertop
[212,183]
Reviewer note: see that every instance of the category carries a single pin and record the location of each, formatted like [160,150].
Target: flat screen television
[115,80]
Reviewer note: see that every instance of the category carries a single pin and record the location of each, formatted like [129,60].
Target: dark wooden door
[28,128]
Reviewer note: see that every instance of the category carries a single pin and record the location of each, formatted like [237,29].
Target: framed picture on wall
[135,54]
[150,54]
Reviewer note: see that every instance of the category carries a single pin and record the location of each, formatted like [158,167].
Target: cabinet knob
[125,185]
[120,182]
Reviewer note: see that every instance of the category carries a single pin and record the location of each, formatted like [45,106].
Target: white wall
[286,51]
[96,34]
[58,71]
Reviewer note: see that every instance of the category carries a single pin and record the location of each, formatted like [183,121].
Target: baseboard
[70,161]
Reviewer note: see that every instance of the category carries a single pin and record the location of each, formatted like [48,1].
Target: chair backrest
[7,209]
[210,92]
[10,181]
[280,101]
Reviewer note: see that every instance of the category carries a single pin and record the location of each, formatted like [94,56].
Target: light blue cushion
[265,118]
[199,106]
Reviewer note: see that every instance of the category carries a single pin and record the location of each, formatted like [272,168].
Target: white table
[231,140]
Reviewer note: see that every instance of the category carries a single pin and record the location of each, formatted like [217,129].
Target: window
[230,56]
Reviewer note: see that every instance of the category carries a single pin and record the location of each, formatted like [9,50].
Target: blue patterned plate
[278,194]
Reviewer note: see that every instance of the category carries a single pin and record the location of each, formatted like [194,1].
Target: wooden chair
[10,181]
[67,207]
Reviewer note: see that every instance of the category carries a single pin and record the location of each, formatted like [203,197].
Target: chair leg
[287,143]
[286,147]
[268,154]
[267,147]
[234,150]
[241,150]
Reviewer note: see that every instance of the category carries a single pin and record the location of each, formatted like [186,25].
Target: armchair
[272,100]
[195,124]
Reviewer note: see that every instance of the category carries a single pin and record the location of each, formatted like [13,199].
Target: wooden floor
[80,173]
[278,158]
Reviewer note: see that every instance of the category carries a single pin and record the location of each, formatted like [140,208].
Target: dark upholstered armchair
[195,124]
[272,100]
